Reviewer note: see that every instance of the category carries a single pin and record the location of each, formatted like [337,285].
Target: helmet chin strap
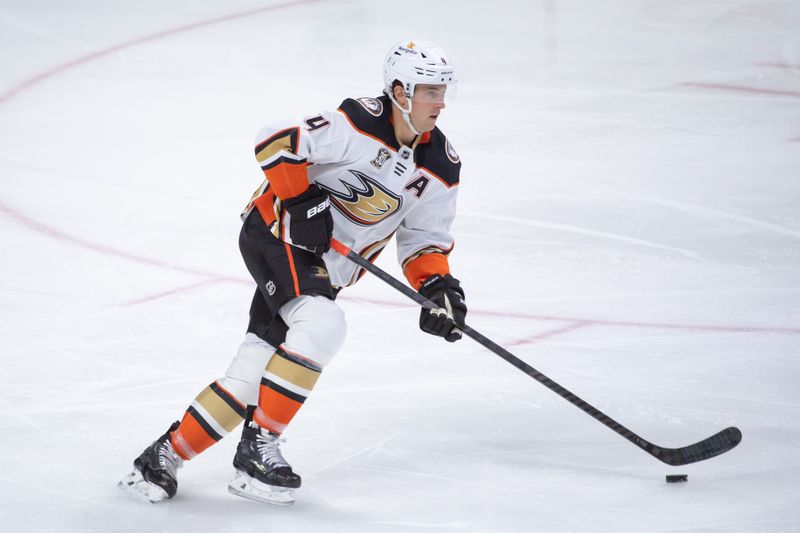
[406,113]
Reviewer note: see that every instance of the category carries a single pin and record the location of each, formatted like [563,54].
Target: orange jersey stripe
[292,268]
[288,178]
[266,206]
[362,132]
[421,268]
[429,171]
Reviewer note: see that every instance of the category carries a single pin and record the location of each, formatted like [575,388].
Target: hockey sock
[211,416]
[287,382]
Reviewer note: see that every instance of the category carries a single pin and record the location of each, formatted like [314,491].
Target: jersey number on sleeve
[316,123]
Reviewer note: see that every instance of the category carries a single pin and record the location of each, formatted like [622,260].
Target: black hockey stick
[717,444]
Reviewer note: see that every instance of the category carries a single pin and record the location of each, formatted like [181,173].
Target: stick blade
[722,442]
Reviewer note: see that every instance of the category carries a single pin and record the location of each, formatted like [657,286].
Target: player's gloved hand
[445,291]
[310,222]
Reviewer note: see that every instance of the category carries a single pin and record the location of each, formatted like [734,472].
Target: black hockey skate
[262,474]
[154,471]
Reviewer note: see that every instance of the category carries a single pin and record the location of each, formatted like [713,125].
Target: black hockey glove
[310,222]
[445,291]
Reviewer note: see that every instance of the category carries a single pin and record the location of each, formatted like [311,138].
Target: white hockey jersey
[377,188]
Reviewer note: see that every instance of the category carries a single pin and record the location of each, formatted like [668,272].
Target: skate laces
[168,459]
[267,446]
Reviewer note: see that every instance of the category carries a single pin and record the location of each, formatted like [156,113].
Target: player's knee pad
[317,328]
[244,373]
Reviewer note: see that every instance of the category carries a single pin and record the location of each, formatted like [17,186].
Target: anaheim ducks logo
[366,203]
[319,272]
[452,155]
[373,105]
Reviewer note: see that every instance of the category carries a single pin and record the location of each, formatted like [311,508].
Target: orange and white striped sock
[288,380]
[212,415]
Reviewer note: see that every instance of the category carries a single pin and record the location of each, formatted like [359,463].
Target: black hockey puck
[677,478]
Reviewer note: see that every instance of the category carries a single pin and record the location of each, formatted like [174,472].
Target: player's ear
[399,94]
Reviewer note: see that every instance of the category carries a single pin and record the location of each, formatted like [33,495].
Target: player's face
[428,103]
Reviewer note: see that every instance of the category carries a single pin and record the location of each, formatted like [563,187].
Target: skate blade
[253,489]
[135,485]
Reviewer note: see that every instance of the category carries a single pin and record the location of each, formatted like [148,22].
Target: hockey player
[372,169]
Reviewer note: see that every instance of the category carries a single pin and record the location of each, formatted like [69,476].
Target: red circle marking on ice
[54,71]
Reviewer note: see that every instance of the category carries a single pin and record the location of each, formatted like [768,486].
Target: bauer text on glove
[310,220]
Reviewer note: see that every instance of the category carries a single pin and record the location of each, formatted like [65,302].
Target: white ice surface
[629,224]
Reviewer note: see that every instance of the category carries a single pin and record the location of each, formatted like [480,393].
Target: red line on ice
[54,71]
[64,237]
[590,322]
[35,80]
[57,234]
[786,66]
[176,290]
[573,323]
[741,89]
[533,339]
[655,325]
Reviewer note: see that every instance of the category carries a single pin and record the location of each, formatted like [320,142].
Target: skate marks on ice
[582,231]
[135,485]
[252,489]
[476,479]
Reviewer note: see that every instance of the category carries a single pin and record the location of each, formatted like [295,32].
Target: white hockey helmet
[416,62]
[413,62]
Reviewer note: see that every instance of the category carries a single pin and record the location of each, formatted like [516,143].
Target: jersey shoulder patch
[452,155]
[438,157]
[370,116]
[373,106]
